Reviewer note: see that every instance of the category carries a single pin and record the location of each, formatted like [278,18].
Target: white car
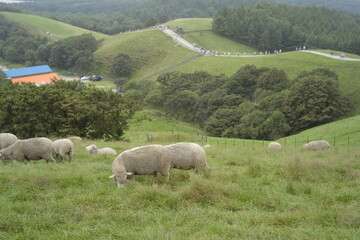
[85,78]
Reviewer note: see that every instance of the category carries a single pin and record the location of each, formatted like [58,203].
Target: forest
[271,27]
[114,16]
[254,103]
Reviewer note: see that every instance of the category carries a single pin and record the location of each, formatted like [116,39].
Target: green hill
[49,28]
[150,51]
[345,132]
[198,30]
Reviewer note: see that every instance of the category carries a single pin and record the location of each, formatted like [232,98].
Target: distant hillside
[49,28]
[270,26]
[292,63]
[113,16]
[339,133]
[150,51]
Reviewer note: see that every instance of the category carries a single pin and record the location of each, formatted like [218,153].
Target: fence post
[334,141]
[285,142]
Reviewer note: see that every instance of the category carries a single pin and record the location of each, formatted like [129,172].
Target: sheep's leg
[49,158]
[154,177]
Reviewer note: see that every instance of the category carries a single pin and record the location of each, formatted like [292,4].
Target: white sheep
[6,139]
[93,149]
[187,156]
[64,148]
[75,138]
[316,145]
[274,145]
[29,149]
[145,160]
[207,146]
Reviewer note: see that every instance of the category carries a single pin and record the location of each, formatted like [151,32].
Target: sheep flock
[143,160]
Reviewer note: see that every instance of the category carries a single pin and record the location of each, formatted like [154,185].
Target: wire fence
[202,139]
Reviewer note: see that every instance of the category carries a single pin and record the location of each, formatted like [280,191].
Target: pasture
[250,193]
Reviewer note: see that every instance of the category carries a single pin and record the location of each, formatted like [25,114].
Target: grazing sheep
[6,139]
[207,146]
[75,138]
[316,145]
[145,160]
[274,145]
[187,156]
[94,150]
[64,148]
[29,149]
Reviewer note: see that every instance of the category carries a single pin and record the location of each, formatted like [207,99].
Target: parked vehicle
[95,78]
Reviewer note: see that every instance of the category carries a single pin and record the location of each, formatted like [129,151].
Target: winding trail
[180,40]
[332,56]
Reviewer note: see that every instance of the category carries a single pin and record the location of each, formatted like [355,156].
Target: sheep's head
[92,148]
[120,178]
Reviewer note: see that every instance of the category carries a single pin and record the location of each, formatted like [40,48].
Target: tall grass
[249,193]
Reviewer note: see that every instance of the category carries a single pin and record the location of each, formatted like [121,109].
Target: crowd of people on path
[206,52]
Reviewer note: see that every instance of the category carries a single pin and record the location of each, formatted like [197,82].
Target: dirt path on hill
[180,40]
[332,56]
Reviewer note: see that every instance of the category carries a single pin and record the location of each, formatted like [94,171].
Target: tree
[244,81]
[3,78]
[276,126]
[120,82]
[314,100]
[182,104]
[121,66]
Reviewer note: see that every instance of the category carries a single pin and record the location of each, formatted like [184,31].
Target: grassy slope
[292,63]
[345,132]
[40,25]
[285,194]
[150,51]
[198,30]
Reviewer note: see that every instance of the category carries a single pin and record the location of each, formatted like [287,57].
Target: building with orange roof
[39,75]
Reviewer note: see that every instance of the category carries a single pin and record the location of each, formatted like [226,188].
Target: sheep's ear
[129,173]
[112,176]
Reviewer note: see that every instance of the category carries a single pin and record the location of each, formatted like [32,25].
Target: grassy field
[41,26]
[198,30]
[149,50]
[345,132]
[250,193]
